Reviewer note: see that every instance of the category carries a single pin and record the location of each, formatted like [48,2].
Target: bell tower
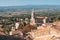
[32,20]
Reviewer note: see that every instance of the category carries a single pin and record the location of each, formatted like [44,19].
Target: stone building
[32,20]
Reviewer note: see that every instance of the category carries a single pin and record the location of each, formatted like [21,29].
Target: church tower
[32,20]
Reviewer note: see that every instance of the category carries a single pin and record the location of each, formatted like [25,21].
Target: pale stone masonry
[32,20]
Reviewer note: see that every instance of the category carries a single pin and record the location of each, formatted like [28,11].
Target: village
[35,28]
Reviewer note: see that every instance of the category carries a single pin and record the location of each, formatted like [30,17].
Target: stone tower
[32,20]
[44,20]
[17,25]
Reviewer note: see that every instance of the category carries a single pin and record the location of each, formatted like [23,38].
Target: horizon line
[28,4]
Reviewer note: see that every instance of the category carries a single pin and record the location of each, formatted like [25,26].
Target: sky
[28,2]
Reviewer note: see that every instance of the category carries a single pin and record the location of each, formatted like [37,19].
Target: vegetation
[52,15]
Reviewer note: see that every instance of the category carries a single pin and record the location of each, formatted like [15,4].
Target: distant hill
[27,7]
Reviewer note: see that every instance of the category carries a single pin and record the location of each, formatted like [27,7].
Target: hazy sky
[28,2]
